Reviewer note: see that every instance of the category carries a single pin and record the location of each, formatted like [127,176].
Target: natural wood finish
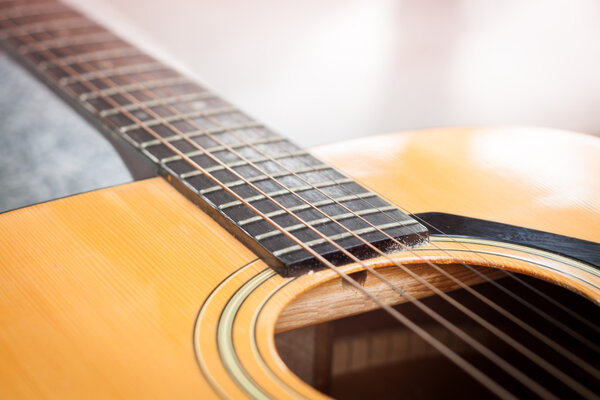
[336,299]
[100,291]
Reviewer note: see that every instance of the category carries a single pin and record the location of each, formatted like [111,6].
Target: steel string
[461,362]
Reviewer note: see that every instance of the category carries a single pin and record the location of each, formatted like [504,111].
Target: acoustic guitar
[441,263]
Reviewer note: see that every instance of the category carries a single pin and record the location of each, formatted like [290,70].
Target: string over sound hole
[371,355]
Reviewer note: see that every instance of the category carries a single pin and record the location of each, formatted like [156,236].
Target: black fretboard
[172,121]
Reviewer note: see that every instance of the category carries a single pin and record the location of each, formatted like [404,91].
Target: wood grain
[100,293]
[335,299]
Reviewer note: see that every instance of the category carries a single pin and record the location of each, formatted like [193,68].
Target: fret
[48,26]
[253,179]
[343,235]
[110,72]
[196,133]
[221,148]
[218,148]
[276,193]
[33,10]
[59,33]
[104,54]
[13,25]
[323,221]
[61,42]
[302,207]
[134,86]
[118,62]
[257,160]
[256,178]
[215,166]
[155,102]
[176,117]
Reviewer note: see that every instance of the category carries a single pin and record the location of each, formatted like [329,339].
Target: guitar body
[132,291]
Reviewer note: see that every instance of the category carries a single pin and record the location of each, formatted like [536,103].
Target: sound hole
[371,355]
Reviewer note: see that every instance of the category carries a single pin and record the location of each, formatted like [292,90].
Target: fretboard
[226,162]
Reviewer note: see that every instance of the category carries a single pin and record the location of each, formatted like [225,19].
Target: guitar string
[506,272]
[545,339]
[234,152]
[518,375]
[549,299]
[537,310]
[454,357]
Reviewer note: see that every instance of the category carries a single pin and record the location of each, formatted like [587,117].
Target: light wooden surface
[334,299]
[101,291]
[537,178]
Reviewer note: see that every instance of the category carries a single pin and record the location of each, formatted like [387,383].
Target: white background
[323,71]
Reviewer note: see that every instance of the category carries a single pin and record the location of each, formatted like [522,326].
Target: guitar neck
[218,156]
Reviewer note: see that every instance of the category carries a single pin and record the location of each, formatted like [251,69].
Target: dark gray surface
[47,151]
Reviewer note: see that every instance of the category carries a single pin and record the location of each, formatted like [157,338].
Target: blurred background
[324,71]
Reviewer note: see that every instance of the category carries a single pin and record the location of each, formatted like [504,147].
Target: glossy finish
[101,292]
[538,178]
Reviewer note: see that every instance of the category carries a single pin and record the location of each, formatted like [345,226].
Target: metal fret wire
[94,56]
[49,26]
[33,10]
[125,69]
[511,370]
[326,215]
[51,44]
[519,347]
[454,357]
